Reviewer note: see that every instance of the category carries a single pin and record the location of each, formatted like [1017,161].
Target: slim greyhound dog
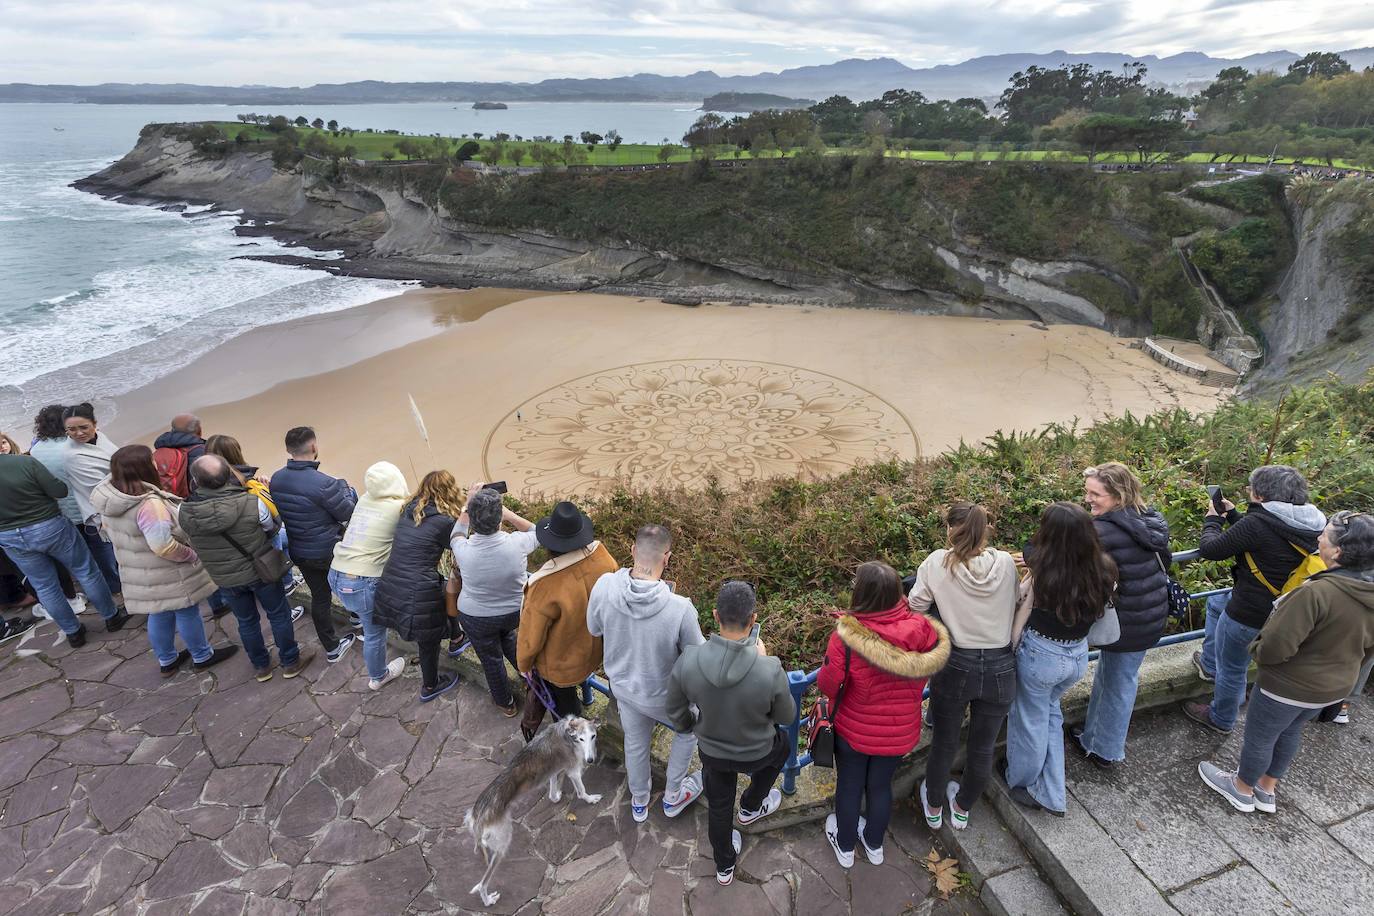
[561,750]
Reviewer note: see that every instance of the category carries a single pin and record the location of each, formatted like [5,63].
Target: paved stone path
[211,794]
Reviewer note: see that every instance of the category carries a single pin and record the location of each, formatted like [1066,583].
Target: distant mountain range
[856,78]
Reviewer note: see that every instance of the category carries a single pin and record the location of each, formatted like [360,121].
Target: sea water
[98,298]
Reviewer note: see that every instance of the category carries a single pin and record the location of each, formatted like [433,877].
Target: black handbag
[269,565]
[820,726]
[1178,595]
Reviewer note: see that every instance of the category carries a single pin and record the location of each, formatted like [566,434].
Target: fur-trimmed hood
[865,636]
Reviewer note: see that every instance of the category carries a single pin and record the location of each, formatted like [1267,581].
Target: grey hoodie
[741,698]
[644,628]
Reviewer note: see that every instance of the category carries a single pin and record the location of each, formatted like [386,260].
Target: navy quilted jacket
[1138,542]
[313,506]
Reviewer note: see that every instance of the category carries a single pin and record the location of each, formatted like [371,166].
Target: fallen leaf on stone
[944,871]
[1140,825]
[572,817]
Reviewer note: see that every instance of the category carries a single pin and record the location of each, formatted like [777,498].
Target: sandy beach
[564,393]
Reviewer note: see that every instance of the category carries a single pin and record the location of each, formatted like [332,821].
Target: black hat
[567,528]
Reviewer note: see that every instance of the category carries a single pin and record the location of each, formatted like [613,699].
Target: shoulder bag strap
[844,682]
[1255,571]
[237,546]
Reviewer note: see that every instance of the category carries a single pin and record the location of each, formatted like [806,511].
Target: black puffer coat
[1138,542]
[410,595]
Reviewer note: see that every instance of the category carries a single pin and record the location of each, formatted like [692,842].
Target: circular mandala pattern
[684,422]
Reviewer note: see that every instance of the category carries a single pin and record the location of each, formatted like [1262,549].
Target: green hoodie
[1318,636]
[741,697]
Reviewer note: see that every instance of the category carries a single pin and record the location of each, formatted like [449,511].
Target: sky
[301,42]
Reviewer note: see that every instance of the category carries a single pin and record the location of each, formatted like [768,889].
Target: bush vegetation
[799,541]
[1245,259]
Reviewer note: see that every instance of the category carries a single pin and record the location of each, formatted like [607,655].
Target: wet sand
[562,393]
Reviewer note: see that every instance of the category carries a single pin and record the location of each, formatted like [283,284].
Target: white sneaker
[393,671]
[875,856]
[40,612]
[937,818]
[639,812]
[724,878]
[78,604]
[770,804]
[340,649]
[297,613]
[957,819]
[688,793]
[832,833]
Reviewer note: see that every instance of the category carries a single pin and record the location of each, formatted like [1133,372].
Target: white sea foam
[55,300]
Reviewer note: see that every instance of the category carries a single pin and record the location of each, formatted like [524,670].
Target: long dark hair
[83,410]
[1074,578]
[131,467]
[48,423]
[877,587]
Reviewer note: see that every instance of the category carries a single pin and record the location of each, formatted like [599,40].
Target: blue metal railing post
[797,682]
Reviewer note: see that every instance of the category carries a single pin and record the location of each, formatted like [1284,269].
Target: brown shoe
[299,665]
[1201,713]
[263,674]
[511,711]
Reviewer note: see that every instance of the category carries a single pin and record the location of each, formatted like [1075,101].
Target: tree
[301,121]
[469,149]
[591,139]
[333,124]
[613,139]
[665,152]
[318,124]
[492,153]
[953,148]
[1319,64]
[278,124]
[517,155]
[388,154]
[707,130]
[408,148]
[477,135]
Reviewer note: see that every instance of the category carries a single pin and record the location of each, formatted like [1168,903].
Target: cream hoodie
[976,601]
[366,543]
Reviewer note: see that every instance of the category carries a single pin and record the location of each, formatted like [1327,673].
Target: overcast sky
[300,42]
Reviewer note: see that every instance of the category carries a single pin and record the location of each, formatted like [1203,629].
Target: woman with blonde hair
[410,592]
[973,588]
[1136,537]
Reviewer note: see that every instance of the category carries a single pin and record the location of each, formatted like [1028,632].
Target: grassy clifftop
[875,219]
[800,542]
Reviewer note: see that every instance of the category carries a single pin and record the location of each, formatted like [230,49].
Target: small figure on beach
[518,417]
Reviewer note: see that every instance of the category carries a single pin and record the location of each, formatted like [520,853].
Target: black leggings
[984,682]
[865,778]
[429,663]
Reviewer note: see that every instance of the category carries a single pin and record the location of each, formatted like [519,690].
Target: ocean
[98,298]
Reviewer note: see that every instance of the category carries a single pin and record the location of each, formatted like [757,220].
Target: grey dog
[562,750]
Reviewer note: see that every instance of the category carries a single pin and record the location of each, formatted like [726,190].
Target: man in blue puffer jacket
[314,507]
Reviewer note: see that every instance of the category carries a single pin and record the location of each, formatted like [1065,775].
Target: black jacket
[410,595]
[1139,543]
[314,508]
[1268,532]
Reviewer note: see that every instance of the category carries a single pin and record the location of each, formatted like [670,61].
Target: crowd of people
[999,637]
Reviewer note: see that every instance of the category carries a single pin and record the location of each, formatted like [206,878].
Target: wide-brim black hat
[567,528]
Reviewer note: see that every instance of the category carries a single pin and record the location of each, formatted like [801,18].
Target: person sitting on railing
[743,704]
[645,627]
[1275,536]
[1137,539]
[875,670]
[1309,652]
[974,588]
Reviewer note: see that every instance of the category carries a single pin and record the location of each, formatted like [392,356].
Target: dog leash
[540,690]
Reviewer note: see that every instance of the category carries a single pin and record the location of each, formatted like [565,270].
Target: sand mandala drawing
[682,422]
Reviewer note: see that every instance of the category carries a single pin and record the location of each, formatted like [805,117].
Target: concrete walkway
[210,794]
[1149,837]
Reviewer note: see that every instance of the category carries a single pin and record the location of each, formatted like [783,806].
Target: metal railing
[799,682]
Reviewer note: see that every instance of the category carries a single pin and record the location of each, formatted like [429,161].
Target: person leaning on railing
[1309,652]
[1275,535]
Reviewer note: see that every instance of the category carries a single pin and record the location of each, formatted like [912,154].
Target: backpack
[1311,564]
[171,467]
[259,489]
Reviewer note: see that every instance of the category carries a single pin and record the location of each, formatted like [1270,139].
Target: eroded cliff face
[391,232]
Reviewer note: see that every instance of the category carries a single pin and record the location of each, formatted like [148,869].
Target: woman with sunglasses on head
[88,462]
[1309,652]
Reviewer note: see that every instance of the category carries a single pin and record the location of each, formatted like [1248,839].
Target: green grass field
[372,146]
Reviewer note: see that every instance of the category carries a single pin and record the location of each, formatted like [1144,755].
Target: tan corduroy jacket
[553,637]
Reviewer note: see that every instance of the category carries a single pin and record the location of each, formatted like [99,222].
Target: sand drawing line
[682,422]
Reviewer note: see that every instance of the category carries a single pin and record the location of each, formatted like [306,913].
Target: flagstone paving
[209,794]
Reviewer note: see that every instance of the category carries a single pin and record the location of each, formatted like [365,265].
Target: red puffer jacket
[892,654]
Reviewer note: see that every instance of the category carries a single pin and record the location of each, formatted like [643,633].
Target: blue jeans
[33,549]
[163,627]
[1111,704]
[357,594]
[102,551]
[1045,670]
[1232,654]
[243,600]
[1273,731]
[1216,606]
